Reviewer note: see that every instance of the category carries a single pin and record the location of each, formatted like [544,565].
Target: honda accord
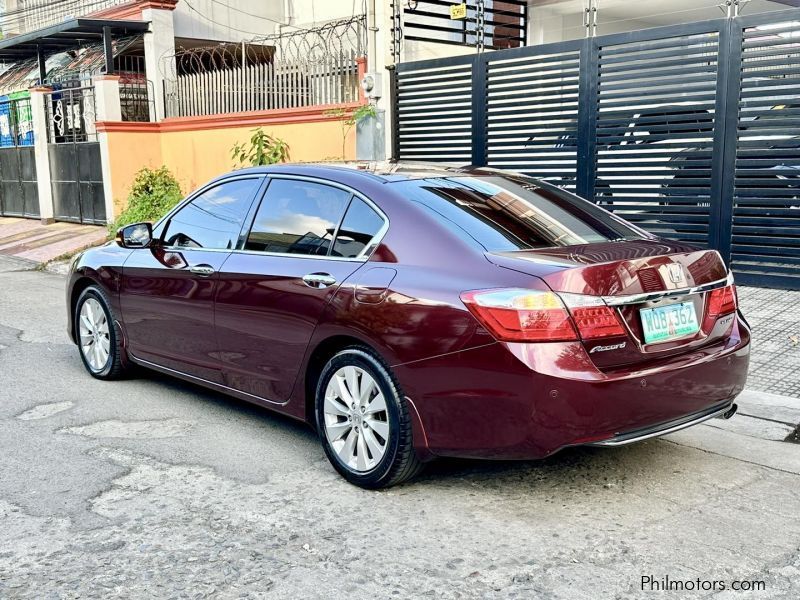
[410,312]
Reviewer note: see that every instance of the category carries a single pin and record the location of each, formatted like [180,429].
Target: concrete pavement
[154,488]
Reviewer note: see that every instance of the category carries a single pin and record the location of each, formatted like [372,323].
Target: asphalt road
[151,488]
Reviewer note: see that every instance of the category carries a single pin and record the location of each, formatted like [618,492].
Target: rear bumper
[726,411]
[521,401]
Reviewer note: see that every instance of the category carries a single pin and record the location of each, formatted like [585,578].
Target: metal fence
[267,85]
[137,101]
[690,131]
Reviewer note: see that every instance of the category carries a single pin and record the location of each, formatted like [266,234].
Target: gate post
[726,114]
[479,110]
[107,108]
[586,160]
[39,97]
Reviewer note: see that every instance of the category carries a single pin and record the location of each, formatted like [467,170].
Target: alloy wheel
[95,340]
[356,420]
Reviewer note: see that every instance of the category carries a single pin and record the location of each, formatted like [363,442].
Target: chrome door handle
[318,280]
[202,270]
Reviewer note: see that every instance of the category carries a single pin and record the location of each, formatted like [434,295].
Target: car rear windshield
[505,213]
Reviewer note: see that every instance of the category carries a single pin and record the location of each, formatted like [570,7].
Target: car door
[300,248]
[167,290]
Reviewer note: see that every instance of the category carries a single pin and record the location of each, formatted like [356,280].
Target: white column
[39,117]
[159,46]
[378,64]
[107,107]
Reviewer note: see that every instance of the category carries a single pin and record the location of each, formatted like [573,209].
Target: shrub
[261,149]
[153,193]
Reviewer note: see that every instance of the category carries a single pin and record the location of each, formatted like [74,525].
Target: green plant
[362,112]
[153,193]
[261,149]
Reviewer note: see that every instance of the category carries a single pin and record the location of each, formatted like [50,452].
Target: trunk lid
[632,276]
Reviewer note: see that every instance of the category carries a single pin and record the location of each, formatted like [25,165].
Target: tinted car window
[516,213]
[360,225]
[214,218]
[297,217]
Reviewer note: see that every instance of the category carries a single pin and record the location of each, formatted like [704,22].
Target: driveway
[155,488]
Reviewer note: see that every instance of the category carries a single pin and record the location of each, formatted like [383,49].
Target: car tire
[370,447]
[93,316]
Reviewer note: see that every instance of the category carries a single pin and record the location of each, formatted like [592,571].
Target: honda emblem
[675,271]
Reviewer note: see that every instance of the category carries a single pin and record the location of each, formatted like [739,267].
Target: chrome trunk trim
[651,296]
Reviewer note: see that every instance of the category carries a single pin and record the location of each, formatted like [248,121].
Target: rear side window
[515,213]
[360,225]
[214,218]
[297,217]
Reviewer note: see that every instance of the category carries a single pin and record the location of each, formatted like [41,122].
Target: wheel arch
[78,287]
[325,349]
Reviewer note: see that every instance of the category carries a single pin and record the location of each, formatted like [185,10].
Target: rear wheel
[363,421]
[98,336]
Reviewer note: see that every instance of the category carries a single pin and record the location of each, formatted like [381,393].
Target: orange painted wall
[128,153]
[197,156]
[199,149]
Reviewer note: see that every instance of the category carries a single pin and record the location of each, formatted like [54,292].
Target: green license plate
[669,322]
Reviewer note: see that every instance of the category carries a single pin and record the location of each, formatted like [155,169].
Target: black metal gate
[75,169]
[19,196]
[690,131]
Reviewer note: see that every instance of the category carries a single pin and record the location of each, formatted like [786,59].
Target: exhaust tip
[731,411]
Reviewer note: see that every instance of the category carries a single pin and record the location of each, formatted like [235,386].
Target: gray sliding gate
[74,153]
[690,131]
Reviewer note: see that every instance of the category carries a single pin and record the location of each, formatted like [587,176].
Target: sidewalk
[30,240]
[775,355]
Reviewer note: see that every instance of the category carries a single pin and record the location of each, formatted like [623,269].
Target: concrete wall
[197,149]
[234,20]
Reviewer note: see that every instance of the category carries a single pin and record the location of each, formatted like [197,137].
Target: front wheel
[363,421]
[98,335]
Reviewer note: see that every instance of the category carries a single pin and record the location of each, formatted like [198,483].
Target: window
[214,218]
[360,225]
[297,217]
[516,213]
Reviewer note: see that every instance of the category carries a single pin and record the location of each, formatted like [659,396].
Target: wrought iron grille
[71,115]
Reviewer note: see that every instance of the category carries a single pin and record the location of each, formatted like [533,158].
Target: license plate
[664,323]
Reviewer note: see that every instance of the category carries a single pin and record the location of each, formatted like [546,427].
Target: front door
[167,291]
[272,293]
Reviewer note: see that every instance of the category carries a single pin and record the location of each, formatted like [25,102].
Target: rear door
[167,291]
[306,238]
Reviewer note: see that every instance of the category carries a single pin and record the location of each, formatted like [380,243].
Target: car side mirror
[138,235]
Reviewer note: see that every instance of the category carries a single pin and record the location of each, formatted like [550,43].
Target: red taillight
[593,317]
[721,301]
[519,315]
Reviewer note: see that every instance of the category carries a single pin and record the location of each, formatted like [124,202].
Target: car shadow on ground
[592,466]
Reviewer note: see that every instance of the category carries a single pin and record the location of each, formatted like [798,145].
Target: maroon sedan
[412,312]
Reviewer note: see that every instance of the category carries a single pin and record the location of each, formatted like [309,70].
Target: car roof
[385,171]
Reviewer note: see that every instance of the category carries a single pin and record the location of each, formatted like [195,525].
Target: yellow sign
[458,11]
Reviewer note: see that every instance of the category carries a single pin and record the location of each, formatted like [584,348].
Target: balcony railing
[30,15]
